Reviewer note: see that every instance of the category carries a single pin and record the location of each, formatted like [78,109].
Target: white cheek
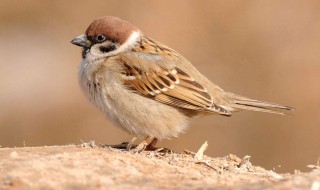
[95,52]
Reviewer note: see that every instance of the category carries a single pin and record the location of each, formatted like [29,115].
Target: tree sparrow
[147,88]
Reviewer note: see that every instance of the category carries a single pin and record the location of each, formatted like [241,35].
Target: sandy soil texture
[88,166]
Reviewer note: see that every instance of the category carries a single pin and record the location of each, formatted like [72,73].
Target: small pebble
[14,155]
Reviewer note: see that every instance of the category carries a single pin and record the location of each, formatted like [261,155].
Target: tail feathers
[255,108]
[244,103]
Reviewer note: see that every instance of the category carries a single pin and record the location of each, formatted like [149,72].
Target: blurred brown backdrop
[269,50]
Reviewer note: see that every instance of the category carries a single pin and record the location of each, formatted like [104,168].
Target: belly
[132,112]
[136,114]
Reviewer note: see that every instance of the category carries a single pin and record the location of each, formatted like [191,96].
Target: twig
[199,154]
[315,166]
[206,164]
[189,152]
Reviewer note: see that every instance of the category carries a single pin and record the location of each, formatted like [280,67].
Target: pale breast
[132,112]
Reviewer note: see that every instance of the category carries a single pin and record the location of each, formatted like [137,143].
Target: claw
[145,145]
[130,144]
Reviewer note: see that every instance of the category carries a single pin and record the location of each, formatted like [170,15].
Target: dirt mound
[88,166]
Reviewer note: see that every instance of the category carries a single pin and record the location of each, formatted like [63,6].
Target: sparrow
[145,87]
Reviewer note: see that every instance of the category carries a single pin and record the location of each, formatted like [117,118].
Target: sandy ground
[88,166]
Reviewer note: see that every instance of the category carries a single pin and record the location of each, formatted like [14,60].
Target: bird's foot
[146,145]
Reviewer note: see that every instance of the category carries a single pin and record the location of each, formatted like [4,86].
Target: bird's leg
[152,145]
[144,144]
[129,145]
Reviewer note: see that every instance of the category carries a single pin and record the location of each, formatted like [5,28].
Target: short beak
[81,41]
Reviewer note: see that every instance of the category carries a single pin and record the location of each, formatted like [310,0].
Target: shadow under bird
[147,88]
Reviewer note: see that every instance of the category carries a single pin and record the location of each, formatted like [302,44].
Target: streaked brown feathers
[157,72]
[163,81]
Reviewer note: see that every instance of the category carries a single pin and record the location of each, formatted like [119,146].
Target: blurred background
[268,50]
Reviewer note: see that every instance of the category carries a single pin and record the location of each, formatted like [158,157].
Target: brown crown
[112,28]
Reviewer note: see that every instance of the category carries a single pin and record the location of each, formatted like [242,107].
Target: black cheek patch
[107,48]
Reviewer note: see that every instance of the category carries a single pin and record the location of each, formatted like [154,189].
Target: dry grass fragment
[199,155]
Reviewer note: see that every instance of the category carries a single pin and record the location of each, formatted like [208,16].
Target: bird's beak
[82,41]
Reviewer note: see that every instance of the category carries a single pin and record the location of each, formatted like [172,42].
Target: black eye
[100,38]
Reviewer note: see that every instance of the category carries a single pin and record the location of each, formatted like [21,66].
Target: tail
[243,103]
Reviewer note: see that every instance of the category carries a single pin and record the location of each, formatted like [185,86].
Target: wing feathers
[175,102]
[183,75]
[169,85]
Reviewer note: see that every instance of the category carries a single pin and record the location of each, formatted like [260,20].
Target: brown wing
[156,77]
